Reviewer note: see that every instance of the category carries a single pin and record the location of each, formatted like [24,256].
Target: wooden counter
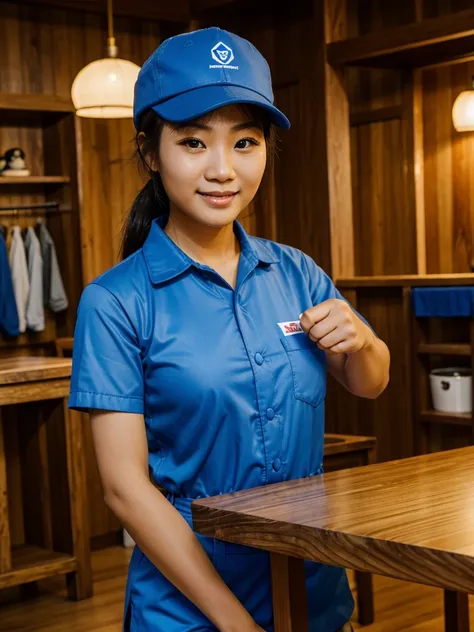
[410,520]
[47,473]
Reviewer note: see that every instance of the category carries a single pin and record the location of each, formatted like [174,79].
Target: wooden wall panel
[42,49]
[384,230]
[384,221]
[389,418]
[448,172]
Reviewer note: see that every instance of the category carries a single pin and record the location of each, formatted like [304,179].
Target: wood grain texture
[178,10]
[448,173]
[398,605]
[343,452]
[80,582]
[409,519]
[431,40]
[339,444]
[43,47]
[389,417]
[456,611]
[32,564]
[35,102]
[28,369]
[330,24]
[49,479]
[290,607]
[5,539]
[415,280]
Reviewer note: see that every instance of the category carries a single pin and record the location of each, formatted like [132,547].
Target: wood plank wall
[42,49]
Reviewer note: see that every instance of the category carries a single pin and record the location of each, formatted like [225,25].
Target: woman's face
[212,168]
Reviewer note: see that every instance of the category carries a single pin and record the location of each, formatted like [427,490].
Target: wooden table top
[20,369]
[411,519]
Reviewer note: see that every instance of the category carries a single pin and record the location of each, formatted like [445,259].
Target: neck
[204,244]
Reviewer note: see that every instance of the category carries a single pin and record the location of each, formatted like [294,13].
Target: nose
[219,166]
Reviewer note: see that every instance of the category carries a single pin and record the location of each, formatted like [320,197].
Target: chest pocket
[308,367]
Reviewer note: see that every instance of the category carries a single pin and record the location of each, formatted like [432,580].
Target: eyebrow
[235,128]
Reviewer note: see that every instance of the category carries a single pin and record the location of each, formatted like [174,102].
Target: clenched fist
[335,328]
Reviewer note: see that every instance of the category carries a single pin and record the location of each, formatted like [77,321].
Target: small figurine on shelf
[3,163]
[15,163]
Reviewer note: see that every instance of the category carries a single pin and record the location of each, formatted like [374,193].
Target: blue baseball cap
[194,73]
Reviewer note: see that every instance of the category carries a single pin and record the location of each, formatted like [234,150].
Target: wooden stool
[342,452]
[43,509]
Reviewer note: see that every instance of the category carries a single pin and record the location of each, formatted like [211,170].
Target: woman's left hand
[335,328]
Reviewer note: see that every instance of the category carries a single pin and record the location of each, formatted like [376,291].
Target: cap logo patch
[223,55]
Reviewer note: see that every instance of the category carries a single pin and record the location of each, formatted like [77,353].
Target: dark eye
[245,143]
[192,143]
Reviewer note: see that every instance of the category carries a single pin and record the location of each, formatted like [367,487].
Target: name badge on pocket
[291,328]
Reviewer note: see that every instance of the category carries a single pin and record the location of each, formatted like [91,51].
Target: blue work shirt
[231,389]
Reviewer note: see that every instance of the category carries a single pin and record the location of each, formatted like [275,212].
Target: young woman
[202,356]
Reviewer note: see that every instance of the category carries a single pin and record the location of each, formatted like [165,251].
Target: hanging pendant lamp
[104,88]
[463,110]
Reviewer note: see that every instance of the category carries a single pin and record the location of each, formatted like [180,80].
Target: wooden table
[41,449]
[342,452]
[411,519]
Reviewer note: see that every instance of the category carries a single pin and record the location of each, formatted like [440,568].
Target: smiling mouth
[215,194]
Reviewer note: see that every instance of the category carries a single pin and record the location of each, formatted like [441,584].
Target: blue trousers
[153,604]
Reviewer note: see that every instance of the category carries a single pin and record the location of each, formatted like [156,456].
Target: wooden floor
[399,607]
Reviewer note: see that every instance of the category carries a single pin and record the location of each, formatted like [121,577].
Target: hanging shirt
[19,273]
[231,389]
[54,294]
[34,306]
[9,323]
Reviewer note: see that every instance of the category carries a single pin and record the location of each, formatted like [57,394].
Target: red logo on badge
[292,328]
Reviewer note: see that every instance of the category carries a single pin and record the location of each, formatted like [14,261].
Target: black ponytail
[152,201]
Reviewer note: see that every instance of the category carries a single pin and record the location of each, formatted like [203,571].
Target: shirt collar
[166,261]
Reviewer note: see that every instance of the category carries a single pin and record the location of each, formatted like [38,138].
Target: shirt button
[259,359]
[276,464]
[270,414]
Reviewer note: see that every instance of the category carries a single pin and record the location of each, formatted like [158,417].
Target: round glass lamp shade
[463,112]
[104,89]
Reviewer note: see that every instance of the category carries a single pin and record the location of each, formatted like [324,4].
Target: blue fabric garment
[443,302]
[9,324]
[232,398]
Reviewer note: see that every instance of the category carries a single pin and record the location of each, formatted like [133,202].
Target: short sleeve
[107,370]
[322,287]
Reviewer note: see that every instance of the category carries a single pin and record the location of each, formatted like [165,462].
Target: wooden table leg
[80,582]
[365,597]
[290,609]
[456,611]
[5,545]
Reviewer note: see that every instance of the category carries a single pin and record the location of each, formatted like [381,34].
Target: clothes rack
[30,209]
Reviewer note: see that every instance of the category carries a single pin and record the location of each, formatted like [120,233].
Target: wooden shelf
[35,102]
[407,280]
[32,563]
[35,180]
[445,349]
[433,41]
[456,419]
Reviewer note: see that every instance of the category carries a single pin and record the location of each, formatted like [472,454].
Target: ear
[151,161]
